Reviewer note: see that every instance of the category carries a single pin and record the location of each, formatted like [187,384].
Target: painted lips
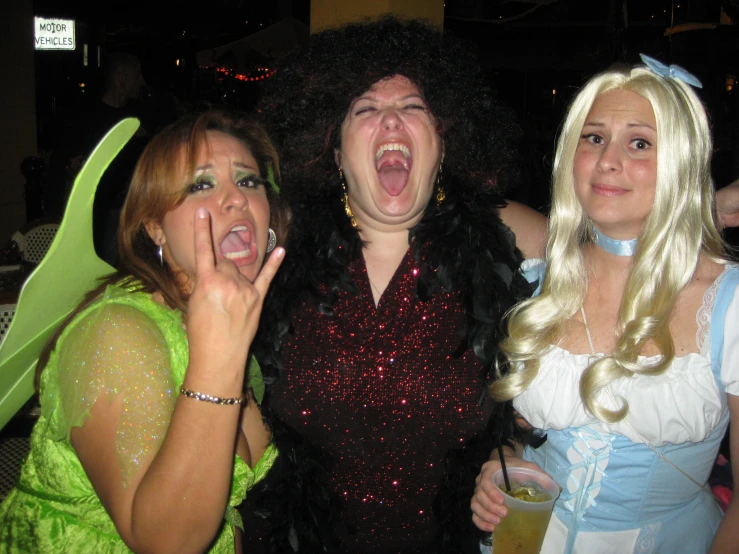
[609,190]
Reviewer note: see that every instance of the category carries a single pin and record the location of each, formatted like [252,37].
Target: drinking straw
[502,466]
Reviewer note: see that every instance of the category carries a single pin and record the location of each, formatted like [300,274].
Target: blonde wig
[679,228]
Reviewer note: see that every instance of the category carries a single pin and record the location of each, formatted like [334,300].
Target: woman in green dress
[146,440]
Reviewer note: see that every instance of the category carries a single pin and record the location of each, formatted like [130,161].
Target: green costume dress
[123,343]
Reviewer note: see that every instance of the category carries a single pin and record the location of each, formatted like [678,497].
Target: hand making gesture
[224,308]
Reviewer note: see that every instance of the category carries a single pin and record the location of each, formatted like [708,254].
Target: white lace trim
[703,316]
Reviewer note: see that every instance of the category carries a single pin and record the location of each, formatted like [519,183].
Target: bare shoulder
[684,320]
[705,275]
[529,226]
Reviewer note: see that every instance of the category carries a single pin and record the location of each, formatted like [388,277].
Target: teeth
[239,228]
[393,146]
[238,255]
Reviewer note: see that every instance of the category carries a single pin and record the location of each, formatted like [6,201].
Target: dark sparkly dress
[393,397]
[381,389]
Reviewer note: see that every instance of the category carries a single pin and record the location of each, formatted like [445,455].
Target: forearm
[726,540]
[529,226]
[515,451]
[179,503]
[727,205]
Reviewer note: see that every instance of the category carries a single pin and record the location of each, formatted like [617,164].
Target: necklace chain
[626,418]
[379,294]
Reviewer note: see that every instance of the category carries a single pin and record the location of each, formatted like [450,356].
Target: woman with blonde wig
[628,356]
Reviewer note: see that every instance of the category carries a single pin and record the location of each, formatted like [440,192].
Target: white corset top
[684,404]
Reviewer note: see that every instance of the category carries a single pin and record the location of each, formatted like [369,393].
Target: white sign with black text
[54,34]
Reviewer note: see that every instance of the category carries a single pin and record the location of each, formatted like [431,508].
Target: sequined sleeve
[117,349]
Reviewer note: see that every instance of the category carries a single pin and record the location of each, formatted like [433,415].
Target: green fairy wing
[69,270]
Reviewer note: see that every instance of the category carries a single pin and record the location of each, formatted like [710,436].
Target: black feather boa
[292,510]
[461,247]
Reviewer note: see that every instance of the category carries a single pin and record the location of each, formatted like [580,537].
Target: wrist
[204,397]
[223,384]
[217,366]
[508,452]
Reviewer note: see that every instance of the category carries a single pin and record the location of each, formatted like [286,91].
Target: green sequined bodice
[54,507]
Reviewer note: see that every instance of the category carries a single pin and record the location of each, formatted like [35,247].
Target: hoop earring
[160,256]
[347,207]
[271,240]
[440,193]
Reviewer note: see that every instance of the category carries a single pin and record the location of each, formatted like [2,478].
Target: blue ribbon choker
[614,246]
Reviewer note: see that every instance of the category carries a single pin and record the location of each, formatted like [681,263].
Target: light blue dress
[618,496]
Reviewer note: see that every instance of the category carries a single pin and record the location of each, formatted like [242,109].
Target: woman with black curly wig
[382,327]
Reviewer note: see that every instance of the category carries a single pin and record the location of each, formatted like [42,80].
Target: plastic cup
[522,530]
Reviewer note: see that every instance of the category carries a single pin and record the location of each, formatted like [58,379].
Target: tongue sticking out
[393,170]
[236,243]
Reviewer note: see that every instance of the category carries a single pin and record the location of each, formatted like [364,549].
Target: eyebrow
[373,99]
[240,165]
[635,124]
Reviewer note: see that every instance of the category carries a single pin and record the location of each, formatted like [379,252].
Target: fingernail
[279,252]
[201,213]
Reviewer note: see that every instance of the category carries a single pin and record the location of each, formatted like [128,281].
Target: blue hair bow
[672,71]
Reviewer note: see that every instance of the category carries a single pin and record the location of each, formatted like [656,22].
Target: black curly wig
[303,108]
[306,101]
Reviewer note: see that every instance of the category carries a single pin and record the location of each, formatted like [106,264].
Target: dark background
[537,53]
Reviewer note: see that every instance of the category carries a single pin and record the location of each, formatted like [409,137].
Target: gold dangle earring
[347,207]
[440,194]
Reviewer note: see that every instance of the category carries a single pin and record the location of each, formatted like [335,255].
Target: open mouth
[393,162]
[238,245]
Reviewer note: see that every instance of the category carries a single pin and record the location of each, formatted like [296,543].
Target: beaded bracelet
[214,399]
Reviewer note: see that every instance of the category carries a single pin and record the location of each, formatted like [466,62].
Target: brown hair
[150,198]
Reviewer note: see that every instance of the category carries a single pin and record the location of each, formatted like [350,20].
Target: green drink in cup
[529,504]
